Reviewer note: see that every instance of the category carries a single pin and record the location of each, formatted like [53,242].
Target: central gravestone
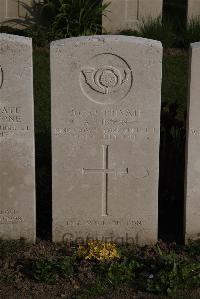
[105,138]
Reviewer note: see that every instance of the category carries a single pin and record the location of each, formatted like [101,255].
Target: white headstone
[105,138]
[192,188]
[17,177]
[13,10]
[193,10]
[127,14]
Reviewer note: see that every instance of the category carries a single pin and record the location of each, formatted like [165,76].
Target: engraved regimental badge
[107,79]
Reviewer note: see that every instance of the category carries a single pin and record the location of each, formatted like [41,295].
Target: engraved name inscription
[10,217]
[107,134]
[110,124]
[10,114]
[11,121]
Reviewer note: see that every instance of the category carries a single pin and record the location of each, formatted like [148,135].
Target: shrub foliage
[66,18]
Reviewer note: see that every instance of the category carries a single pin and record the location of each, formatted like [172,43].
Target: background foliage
[57,19]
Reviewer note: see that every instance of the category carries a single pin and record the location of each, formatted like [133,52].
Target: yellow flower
[98,250]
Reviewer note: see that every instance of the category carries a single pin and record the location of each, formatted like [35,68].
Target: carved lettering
[195,132]
[95,222]
[10,216]
[1,76]
[110,133]
[10,114]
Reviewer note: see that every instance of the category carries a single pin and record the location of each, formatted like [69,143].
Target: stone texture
[12,12]
[192,188]
[193,9]
[127,14]
[105,138]
[17,177]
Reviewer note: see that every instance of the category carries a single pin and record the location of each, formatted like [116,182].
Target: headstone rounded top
[195,45]
[16,38]
[108,38]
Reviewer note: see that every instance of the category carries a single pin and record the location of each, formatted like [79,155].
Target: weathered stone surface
[17,176]
[192,187]
[105,138]
[127,14]
[193,9]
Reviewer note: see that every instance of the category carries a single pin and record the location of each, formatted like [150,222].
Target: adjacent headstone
[193,10]
[105,139]
[12,12]
[127,14]
[192,188]
[17,176]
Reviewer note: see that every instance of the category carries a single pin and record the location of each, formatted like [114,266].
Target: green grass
[99,287]
[154,29]
[9,248]
[49,271]
[192,32]
[159,270]
[158,30]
